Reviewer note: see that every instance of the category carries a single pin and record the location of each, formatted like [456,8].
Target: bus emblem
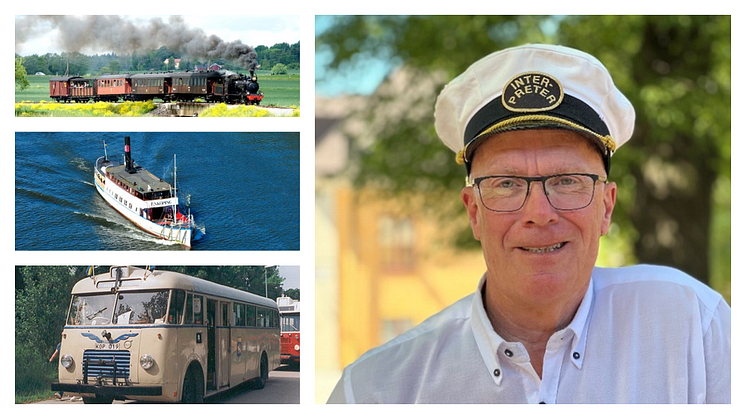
[118,339]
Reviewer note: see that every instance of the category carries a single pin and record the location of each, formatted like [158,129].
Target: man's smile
[547,249]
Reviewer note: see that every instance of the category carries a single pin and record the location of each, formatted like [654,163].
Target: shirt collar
[489,342]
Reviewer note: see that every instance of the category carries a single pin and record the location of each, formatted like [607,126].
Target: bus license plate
[107,346]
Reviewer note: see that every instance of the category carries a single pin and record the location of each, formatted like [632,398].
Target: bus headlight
[147,361]
[297,347]
[66,360]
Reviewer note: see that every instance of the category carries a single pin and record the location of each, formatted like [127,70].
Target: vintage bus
[154,335]
[290,330]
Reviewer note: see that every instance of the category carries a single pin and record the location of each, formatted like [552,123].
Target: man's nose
[537,209]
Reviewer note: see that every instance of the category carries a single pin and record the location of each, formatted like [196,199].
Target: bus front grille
[103,364]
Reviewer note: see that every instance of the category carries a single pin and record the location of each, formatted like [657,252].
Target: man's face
[539,254]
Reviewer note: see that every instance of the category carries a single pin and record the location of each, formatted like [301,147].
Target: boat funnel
[128,163]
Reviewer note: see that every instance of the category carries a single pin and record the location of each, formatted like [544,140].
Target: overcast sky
[291,275]
[252,30]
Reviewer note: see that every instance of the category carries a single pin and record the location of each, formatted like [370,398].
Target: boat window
[91,309]
[141,308]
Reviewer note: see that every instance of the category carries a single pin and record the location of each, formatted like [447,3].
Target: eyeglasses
[564,191]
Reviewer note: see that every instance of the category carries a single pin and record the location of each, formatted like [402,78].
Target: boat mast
[173,194]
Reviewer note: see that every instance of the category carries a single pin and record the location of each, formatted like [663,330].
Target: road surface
[283,387]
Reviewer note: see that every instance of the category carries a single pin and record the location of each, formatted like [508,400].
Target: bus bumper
[289,359]
[108,390]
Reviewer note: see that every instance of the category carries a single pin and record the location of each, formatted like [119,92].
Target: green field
[279,91]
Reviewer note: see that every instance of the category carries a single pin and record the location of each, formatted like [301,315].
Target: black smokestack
[122,36]
[128,163]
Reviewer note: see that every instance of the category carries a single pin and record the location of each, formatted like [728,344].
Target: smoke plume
[118,35]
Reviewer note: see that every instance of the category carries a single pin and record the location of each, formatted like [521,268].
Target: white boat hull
[173,233]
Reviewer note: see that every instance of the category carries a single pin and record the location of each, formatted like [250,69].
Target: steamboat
[146,200]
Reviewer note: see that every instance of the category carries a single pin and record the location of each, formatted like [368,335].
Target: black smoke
[122,36]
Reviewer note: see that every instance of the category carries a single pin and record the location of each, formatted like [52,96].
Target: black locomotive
[211,86]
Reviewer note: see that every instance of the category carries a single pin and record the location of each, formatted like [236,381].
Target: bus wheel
[98,400]
[192,391]
[261,381]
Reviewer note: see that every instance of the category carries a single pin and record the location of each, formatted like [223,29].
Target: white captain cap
[533,86]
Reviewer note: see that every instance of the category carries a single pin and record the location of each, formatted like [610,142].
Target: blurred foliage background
[674,176]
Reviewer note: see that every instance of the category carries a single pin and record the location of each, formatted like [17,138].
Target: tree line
[161,59]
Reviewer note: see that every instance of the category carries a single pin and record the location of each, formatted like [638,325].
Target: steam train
[210,86]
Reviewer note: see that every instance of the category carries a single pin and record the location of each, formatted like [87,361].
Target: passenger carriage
[113,87]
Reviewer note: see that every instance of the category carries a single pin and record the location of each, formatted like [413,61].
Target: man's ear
[469,198]
[609,202]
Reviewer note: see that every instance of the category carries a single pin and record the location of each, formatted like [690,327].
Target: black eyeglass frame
[542,179]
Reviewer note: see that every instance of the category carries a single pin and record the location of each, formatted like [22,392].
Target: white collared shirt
[642,334]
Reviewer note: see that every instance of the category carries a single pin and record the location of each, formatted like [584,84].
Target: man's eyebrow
[510,170]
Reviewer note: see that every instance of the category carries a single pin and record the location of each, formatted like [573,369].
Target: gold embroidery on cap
[607,140]
[532,92]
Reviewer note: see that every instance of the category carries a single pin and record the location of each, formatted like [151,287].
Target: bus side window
[189,309]
[238,319]
[251,316]
[176,309]
[261,316]
[198,312]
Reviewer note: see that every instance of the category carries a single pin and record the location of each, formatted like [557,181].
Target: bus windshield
[141,308]
[91,309]
[126,308]
[291,322]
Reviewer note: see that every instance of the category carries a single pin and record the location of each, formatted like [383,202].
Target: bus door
[211,344]
[224,338]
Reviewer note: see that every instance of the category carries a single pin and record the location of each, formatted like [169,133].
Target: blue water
[242,188]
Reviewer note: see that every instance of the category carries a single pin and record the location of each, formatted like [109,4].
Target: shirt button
[576,355]
[508,352]
[496,372]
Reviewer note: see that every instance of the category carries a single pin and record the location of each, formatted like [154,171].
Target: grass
[34,374]
[279,91]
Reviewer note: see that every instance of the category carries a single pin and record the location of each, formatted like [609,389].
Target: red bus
[289,331]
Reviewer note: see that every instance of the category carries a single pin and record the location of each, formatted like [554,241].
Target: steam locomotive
[211,86]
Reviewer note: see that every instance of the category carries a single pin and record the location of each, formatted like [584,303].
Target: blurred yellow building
[382,265]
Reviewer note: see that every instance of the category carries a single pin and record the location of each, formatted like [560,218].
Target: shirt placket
[557,352]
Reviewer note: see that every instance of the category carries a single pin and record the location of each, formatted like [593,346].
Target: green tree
[21,79]
[674,69]
[293,293]
[279,69]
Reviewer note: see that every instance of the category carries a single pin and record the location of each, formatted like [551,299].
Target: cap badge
[532,92]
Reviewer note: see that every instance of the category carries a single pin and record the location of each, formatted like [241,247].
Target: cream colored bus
[148,335]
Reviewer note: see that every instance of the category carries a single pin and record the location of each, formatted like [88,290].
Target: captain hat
[533,86]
